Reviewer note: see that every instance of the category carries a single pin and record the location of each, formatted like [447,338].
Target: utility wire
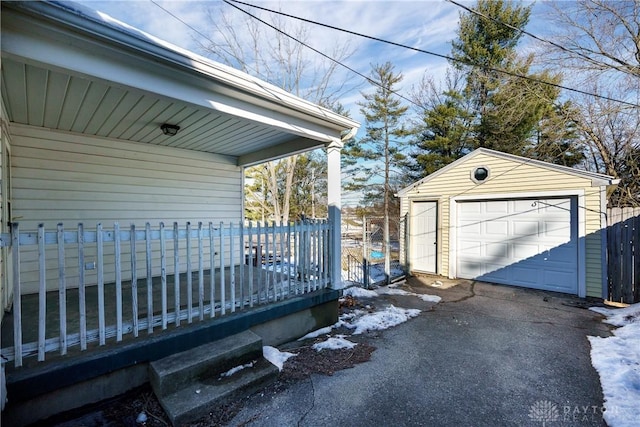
[439,55]
[217,45]
[369,79]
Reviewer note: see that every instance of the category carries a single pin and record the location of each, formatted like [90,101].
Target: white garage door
[522,242]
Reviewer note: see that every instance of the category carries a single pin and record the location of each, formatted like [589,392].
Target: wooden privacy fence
[623,255]
[214,270]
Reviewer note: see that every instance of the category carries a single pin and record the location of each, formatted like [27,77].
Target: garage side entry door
[524,242]
[422,235]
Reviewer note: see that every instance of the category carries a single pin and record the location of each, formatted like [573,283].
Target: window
[480,174]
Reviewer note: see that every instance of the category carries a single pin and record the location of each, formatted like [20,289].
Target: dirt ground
[124,410]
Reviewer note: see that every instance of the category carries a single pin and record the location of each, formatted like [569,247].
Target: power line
[439,55]
[202,35]
[369,79]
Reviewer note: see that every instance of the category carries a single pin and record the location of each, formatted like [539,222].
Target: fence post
[365,252]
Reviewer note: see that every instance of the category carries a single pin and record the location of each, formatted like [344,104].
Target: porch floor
[277,287]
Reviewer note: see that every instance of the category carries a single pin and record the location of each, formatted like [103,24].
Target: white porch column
[334,194]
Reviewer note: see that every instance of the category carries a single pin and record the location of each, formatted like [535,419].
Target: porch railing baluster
[117,250]
[17,295]
[296,255]
[62,291]
[223,304]
[259,261]
[176,272]
[316,269]
[189,277]
[282,276]
[241,247]
[100,272]
[250,263]
[274,277]
[42,294]
[163,274]
[82,292]
[200,274]
[147,238]
[267,255]
[212,272]
[289,278]
[232,270]
[134,281]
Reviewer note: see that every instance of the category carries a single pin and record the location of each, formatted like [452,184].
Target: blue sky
[429,25]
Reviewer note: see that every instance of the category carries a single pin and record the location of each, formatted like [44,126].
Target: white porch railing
[233,266]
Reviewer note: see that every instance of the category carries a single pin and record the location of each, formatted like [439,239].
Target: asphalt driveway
[486,355]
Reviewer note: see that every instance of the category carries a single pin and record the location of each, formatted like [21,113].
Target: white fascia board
[121,58]
[289,148]
[597,179]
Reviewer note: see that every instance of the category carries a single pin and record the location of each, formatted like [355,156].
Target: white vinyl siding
[5,187]
[68,178]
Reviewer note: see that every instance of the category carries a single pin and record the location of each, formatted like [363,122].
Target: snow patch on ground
[358,292]
[276,356]
[334,343]
[317,333]
[395,291]
[617,360]
[380,320]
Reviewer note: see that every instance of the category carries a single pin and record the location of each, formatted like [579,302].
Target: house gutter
[81,20]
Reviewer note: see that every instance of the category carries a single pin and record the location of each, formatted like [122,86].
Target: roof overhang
[69,68]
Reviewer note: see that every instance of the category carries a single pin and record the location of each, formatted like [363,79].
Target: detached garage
[506,219]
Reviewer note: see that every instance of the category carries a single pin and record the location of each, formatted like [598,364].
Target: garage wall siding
[68,178]
[513,178]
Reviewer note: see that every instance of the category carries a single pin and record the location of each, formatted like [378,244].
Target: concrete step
[200,397]
[179,370]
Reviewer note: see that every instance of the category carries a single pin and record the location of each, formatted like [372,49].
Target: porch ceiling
[42,97]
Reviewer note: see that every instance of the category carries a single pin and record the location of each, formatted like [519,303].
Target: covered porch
[122,225]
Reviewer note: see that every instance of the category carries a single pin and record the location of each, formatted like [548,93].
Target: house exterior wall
[72,178]
[5,285]
[513,179]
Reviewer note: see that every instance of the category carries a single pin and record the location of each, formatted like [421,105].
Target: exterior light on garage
[480,174]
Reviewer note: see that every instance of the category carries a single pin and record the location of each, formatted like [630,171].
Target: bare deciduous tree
[257,49]
[597,35]
[599,41]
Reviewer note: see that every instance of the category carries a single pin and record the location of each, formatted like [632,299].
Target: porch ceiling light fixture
[169,130]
